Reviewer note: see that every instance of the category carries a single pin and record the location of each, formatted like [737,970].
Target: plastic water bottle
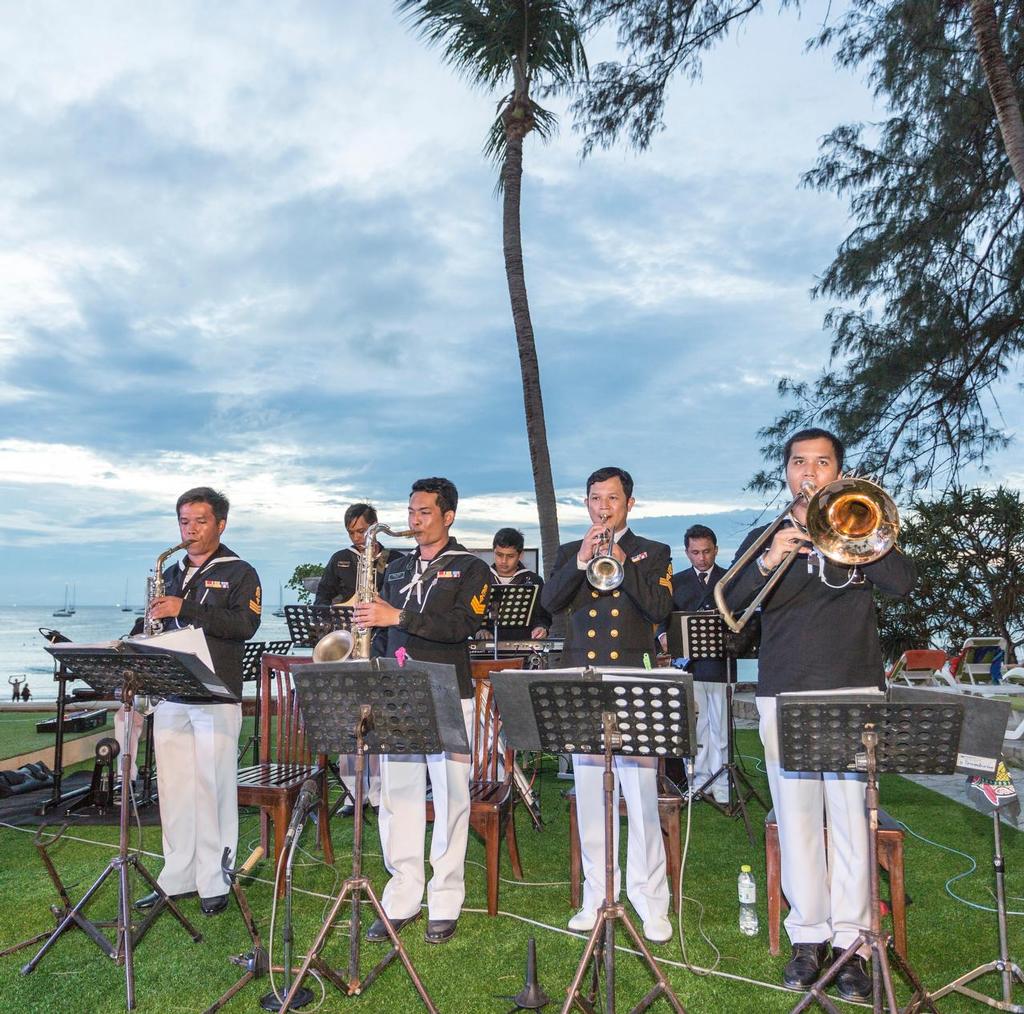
[747,889]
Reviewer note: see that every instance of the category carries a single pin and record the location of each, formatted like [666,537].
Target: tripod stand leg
[69,920]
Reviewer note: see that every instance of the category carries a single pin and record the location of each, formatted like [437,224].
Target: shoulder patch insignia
[254,603]
[479,602]
[666,581]
[639,557]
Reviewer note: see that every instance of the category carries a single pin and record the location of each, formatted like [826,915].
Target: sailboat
[74,594]
[279,611]
[125,608]
[65,611]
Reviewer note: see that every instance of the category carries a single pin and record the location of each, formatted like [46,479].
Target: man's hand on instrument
[165,606]
[784,542]
[591,543]
[539,633]
[375,614]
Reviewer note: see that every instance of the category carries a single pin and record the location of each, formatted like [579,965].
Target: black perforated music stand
[629,715]
[697,636]
[123,671]
[858,732]
[307,624]
[374,706]
[511,606]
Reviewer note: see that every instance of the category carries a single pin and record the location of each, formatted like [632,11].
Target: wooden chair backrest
[282,731]
[491,760]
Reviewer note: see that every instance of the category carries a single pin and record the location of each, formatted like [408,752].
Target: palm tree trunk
[533,402]
[1000,83]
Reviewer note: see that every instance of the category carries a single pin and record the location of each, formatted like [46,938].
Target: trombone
[851,521]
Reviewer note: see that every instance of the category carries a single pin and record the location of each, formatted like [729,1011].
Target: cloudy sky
[256,246]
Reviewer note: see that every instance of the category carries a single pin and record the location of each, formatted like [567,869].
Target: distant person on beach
[197,741]
[16,687]
[25,692]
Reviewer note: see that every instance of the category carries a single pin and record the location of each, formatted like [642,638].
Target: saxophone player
[197,741]
[338,587]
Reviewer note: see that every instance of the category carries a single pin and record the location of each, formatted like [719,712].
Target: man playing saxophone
[197,740]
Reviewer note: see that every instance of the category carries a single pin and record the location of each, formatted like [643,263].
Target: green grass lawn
[486,959]
[18,732]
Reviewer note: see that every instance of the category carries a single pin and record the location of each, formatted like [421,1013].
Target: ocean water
[23,652]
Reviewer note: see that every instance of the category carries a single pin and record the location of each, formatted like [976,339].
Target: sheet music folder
[168,672]
[512,695]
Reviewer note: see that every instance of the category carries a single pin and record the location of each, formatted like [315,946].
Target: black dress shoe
[440,930]
[214,905]
[854,981]
[378,933]
[804,965]
[348,810]
[149,900]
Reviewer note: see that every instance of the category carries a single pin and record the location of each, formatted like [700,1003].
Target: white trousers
[646,881]
[829,895]
[712,737]
[371,776]
[403,825]
[197,777]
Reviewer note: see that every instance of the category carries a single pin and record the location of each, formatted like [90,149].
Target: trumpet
[850,521]
[340,645]
[604,572]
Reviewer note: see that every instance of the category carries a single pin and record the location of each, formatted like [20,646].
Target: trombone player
[819,633]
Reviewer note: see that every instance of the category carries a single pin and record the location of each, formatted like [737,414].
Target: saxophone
[155,589]
[339,645]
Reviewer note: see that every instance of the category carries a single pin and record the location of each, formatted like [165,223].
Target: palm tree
[524,44]
[1000,83]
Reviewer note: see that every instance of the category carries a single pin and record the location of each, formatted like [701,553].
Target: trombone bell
[852,521]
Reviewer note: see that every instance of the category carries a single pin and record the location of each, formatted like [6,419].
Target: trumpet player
[197,740]
[616,626]
[819,632]
[433,601]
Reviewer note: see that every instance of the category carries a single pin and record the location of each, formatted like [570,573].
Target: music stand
[253,654]
[124,670]
[629,713]
[699,636]
[512,606]
[374,706]
[307,624]
[862,732]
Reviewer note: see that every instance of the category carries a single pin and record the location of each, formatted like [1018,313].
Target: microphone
[308,798]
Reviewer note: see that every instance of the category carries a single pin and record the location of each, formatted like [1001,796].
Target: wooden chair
[890,858]
[492,792]
[670,808]
[284,759]
[917,667]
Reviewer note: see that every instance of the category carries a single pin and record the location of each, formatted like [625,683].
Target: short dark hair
[444,489]
[815,433]
[611,472]
[509,538]
[360,510]
[203,494]
[698,532]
